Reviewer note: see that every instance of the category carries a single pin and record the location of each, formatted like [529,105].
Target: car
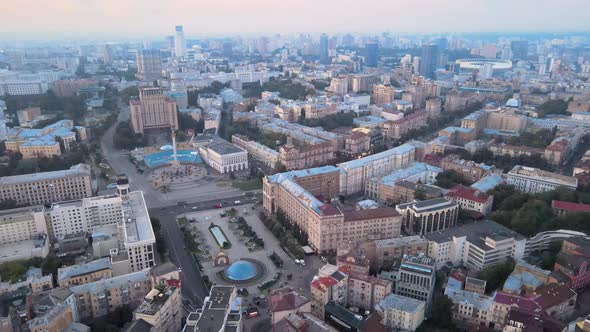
[194,208]
[218,206]
[181,203]
[237,202]
[302,262]
[296,261]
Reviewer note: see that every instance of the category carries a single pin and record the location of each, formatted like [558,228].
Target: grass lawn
[247,185]
[182,221]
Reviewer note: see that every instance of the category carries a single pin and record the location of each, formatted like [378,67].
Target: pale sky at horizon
[218,17]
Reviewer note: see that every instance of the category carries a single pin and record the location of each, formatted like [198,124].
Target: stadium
[497,65]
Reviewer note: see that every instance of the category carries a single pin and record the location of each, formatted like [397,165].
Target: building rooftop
[402,149]
[488,182]
[428,205]
[154,300]
[223,147]
[303,173]
[138,227]
[346,316]
[539,174]
[283,299]
[402,303]
[355,215]
[570,207]
[400,241]
[475,232]
[404,173]
[106,284]
[74,171]
[476,300]
[82,269]
[468,193]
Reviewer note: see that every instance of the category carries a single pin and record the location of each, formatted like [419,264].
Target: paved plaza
[301,276]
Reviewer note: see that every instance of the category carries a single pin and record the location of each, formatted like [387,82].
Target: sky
[143,18]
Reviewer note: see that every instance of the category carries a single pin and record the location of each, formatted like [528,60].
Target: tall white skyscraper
[179,42]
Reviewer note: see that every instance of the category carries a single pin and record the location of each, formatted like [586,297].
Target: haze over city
[295,166]
[38,19]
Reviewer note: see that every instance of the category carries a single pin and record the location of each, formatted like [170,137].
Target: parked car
[218,206]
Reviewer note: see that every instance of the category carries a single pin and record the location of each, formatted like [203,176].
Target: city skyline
[67,18]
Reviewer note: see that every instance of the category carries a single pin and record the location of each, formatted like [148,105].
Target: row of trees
[285,236]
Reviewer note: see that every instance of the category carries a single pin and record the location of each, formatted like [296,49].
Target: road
[193,287]
[166,210]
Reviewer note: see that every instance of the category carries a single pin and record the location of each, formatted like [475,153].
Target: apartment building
[371,224]
[223,156]
[149,65]
[383,188]
[348,288]
[339,86]
[46,141]
[221,311]
[383,94]
[22,224]
[416,278]
[261,152]
[471,199]
[398,128]
[476,245]
[305,156]
[356,173]
[295,194]
[406,191]
[152,110]
[84,215]
[365,291]
[57,318]
[97,299]
[84,273]
[533,180]
[22,87]
[469,170]
[429,216]
[162,309]
[400,312]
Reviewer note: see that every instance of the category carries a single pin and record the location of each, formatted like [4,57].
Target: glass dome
[241,270]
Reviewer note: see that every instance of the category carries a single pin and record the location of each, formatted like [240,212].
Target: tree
[441,315]
[496,275]
[449,178]
[554,106]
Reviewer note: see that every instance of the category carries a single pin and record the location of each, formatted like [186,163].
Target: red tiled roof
[569,206]
[551,295]
[468,193]
[323,281]
[515,300]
